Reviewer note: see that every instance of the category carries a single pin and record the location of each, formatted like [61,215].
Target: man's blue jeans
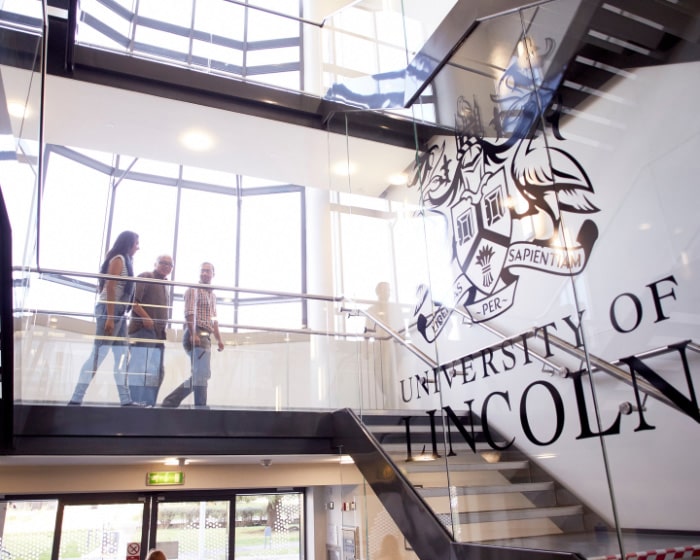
[145,368]
[200,360]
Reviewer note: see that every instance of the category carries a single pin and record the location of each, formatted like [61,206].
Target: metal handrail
[252,328]
[563,371]
[220,287]
[597,363]
[393,334]
[608,367]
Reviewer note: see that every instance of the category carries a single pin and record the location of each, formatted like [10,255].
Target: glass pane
[150,211]
[285,80]
[193,530]
[271,225]
[206,232]
[28,529]
[66,243]
[269,525]
[286,55]
[17,182]
[277,315]
[101,157]
[224,19]
[220,57]
[148,166]
[263,26]
[177,45]
[118,26]
[31,9]
[100,530]
[209,176]
[365,245]
[57,294]
[179,12]
[289,7]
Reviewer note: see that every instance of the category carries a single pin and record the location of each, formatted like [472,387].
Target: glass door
[188,530]
[216,525]
[107,531]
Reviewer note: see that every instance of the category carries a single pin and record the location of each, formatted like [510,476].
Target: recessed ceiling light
[546,456]
[197,140]
[343,168]
[17,109]
[398,179]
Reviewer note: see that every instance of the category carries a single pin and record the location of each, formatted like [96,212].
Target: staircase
[497,495]
[627,34]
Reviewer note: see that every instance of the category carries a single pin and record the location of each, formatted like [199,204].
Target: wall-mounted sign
[165,478]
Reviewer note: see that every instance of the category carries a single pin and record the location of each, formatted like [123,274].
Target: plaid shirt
[202,303]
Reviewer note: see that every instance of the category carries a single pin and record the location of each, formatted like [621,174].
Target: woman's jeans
[117,343]
[145,368]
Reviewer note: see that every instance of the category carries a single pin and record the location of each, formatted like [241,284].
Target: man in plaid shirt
[200,315]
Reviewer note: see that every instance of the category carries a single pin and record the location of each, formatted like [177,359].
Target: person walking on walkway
[149,317]
[201,324]
[110,313]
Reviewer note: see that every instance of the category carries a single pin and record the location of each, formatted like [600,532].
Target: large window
[352,52]
[251,231]
[262,40]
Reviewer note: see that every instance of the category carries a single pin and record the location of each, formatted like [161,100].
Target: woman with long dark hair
[110,311]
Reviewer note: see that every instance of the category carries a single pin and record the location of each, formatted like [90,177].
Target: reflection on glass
[68,181]
[194,529]
[271,226]
[100,530]
[27,531]
[269,525]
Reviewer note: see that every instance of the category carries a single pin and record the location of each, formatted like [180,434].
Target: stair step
[474,503]
[513,515]
[477,532]
[523,487]
[433,466]
[461,448]
[417,429]
[486,492]
[459,478]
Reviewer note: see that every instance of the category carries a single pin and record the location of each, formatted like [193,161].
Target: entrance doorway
[217,526]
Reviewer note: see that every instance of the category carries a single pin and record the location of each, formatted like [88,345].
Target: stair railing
[598,364]
[553,366]
[393,334]
[602,365]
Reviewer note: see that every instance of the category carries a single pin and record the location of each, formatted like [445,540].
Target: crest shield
[481,226]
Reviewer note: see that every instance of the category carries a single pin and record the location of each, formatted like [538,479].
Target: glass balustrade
[556,307]
[511,313]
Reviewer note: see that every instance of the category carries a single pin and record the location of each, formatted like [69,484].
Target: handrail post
[393,334]
[6,331]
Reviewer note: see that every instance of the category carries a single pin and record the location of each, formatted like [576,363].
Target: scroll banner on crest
[559,260]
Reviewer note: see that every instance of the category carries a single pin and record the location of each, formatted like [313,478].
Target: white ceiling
[96,117]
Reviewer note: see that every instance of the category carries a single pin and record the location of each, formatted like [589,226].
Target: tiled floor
[599,545]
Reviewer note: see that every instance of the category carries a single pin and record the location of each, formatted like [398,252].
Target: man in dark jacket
[149,317]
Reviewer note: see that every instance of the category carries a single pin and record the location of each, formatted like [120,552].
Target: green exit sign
[165,478]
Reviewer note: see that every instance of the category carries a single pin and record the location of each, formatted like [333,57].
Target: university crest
[502,202]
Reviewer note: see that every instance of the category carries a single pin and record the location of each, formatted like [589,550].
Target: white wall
[639,144]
